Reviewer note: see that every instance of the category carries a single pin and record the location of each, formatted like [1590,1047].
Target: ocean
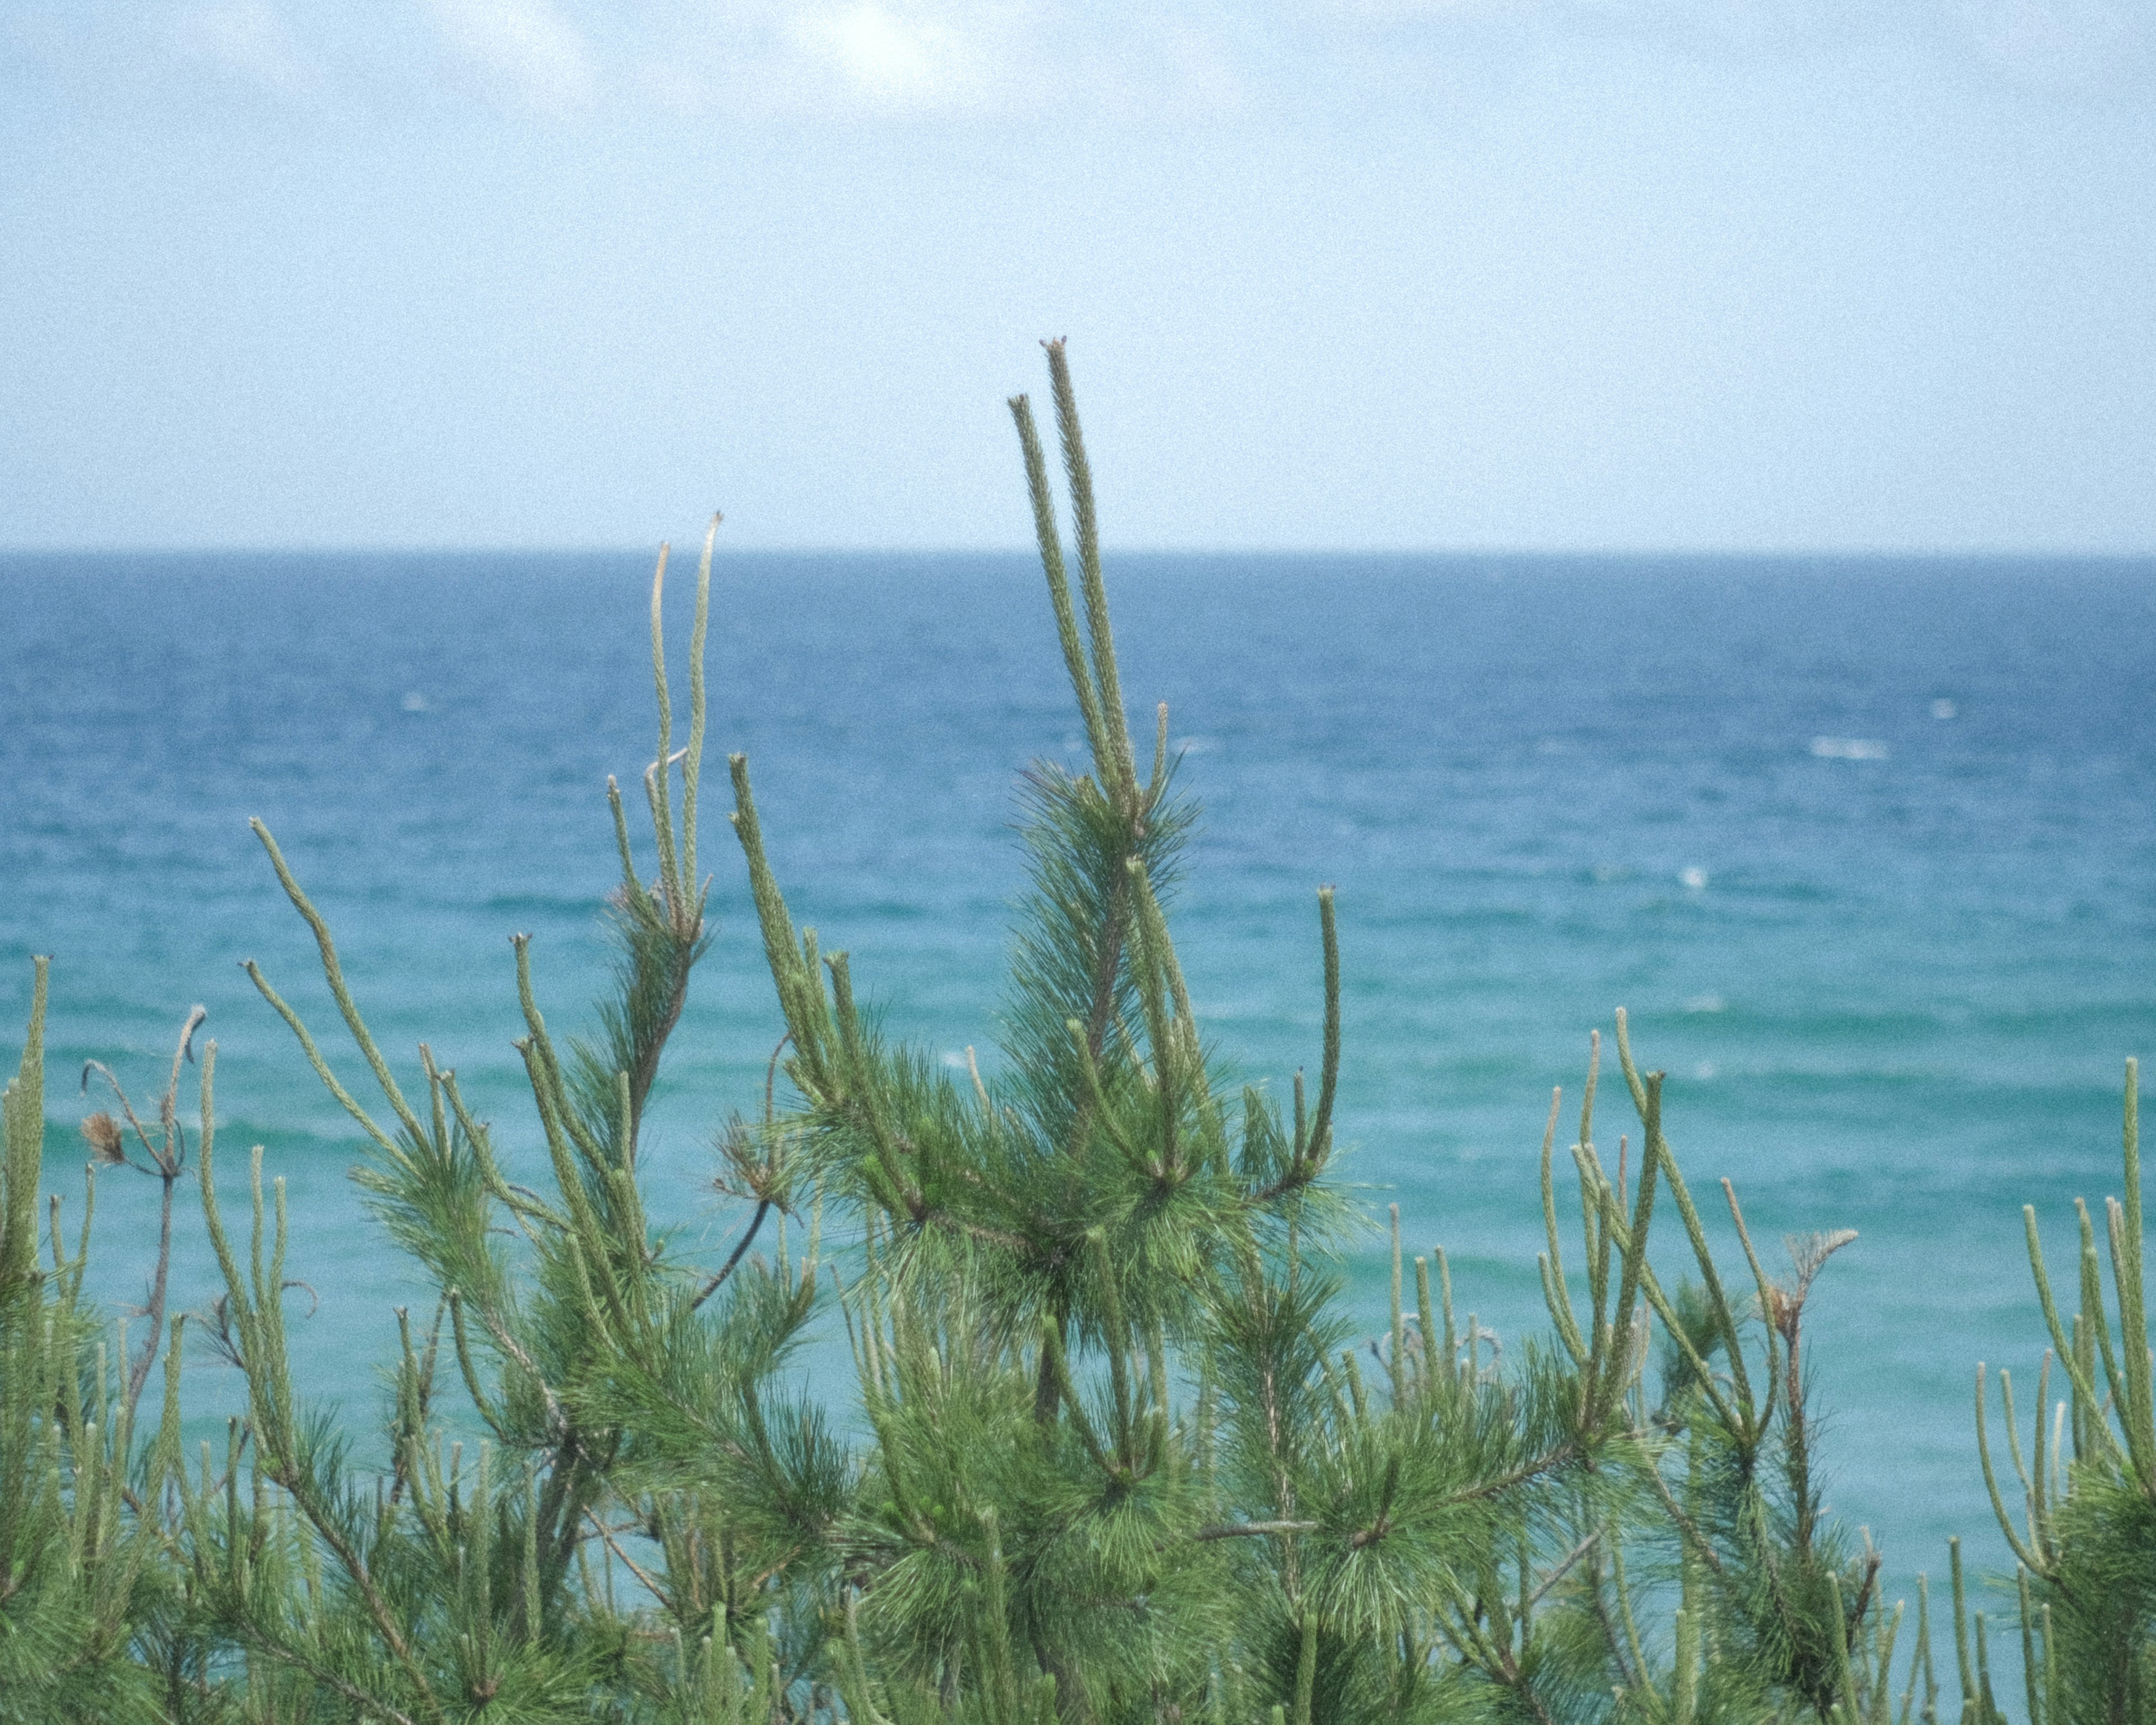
[1867,848]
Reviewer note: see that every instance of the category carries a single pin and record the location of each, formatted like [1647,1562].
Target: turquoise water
[1867,849]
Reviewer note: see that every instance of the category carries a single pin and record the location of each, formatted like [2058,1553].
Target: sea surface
[1867,848]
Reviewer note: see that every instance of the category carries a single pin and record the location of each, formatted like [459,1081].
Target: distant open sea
[1867,848]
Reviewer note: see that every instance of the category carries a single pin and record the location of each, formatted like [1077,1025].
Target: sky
[1777,275]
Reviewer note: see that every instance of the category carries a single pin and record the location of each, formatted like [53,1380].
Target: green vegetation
[1110,1455]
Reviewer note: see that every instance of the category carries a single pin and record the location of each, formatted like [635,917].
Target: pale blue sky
[1778,275]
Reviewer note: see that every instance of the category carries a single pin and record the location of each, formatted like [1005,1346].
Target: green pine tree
[1115,1452]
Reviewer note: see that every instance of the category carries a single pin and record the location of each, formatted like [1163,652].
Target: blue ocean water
[1867,849]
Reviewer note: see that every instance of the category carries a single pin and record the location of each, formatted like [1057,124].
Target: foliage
[1111,1458]
[2086,1541]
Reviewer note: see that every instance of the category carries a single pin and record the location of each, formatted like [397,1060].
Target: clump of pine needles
[1109,1456]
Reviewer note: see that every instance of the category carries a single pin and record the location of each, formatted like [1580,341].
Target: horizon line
[1841,553]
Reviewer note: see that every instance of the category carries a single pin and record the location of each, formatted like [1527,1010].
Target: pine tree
[79,1580]
[2086,1538]
[1116,1453]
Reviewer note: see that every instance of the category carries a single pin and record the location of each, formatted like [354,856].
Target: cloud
[527,48]
[1102,62]
[892,59]
[251,38]
[1132,60]
[789,58]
